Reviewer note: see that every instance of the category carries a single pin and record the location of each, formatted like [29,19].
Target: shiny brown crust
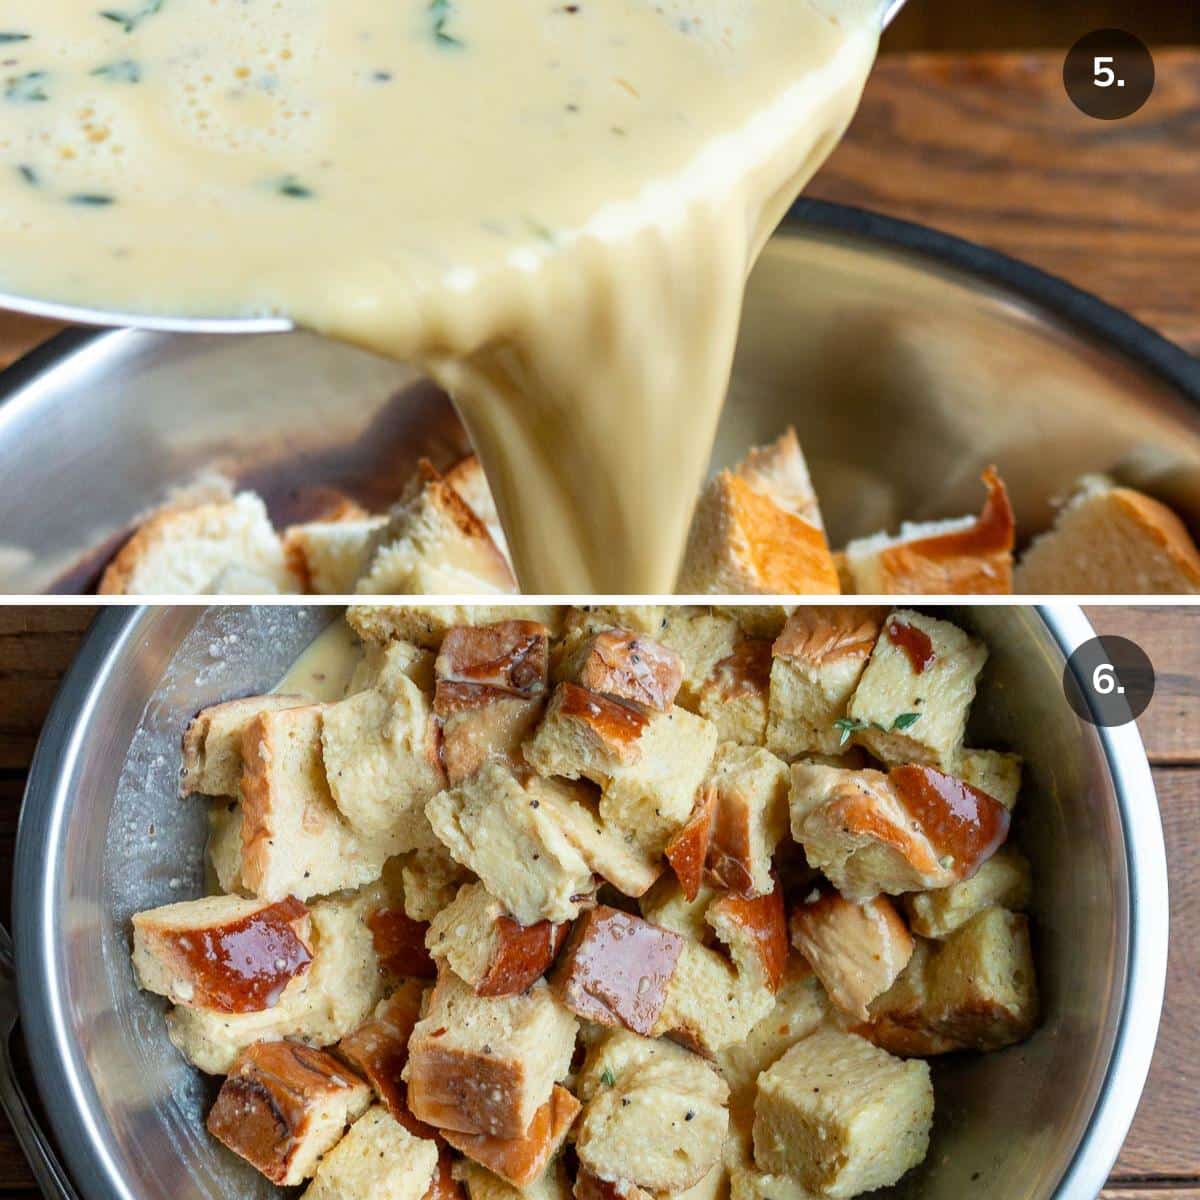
[265,1106]
[244,966]
[523,954]
[400,943]
[962,823]
[820,633]
[630,667]
[745,672]
[614,723]
[521,1160]
[976,560]
[378,1049]
[688,850]
[764,920]
[510,656]
[617,969]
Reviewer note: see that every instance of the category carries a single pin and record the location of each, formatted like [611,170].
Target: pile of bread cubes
[605,902]
[757,529]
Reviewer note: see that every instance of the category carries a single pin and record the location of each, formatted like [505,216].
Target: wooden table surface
[987,146]
[1163,1148]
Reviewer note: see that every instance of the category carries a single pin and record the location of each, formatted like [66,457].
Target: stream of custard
[550,207]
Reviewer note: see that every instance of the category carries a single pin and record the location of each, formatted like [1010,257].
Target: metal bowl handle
[43,1162]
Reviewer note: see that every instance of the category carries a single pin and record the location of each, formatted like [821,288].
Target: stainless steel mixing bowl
[906,359]
[103,834]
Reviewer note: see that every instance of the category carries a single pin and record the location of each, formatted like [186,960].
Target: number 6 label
[1109,681]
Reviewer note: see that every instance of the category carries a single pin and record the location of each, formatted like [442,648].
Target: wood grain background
[1163,1148]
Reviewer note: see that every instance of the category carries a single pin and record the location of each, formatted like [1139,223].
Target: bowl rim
[63,1081]
[1080,311]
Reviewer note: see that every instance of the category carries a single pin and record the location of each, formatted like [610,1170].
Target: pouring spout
[890,9]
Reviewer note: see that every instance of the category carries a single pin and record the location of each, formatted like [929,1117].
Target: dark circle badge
[1109,681]
[1109,74]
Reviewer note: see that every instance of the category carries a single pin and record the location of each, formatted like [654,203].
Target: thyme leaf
[607,1077]
[28,88]
[442,11]
[848,727]
[124,70]
[905,720]
[6,39]
[91,200]
[129,21]
[28,174]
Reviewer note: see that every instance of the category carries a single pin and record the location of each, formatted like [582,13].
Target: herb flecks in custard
[129,21]
[28,174]
[91,200]
[29,88]
[291,187]
[7,39]
[125,70]
[442,11]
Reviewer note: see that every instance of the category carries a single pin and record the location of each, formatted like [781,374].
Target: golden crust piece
[956,558]
[742,542]
[1108,540]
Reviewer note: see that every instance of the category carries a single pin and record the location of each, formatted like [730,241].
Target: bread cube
[735,696]
[283,1106]
[487,949]
[425,625]
[687,851]
[964,556]
[841,1115]
[522,1160]
[486,1065]
[751,817]
[748,1183]
[381,754]
[912,701]
[1006,879]
[378,1048]
[581,621]
[329,556]
[377,1160]
[431,879]
[993,772]
[817,662]
[702,638]
[626,666]
[467,478]
[493,823]
[648,765]
[658,1122]
[755,931]
[616,969]
[669,906]
[914,829]
[212,744]
[608,851]
[294,838]
[224,848]
[481,1184]
[381,663]
[757,529]
[592,1187]
[223,952]
[491,684]
[1111,539]
[186,549]
[433,543]
[801,1007]
[975,990]
[856,950]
